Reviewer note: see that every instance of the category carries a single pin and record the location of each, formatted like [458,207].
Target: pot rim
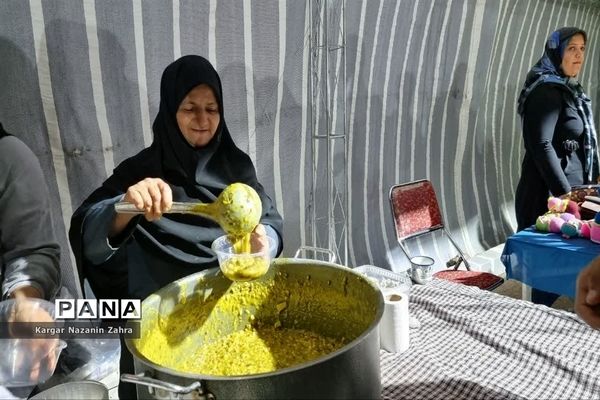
[88,384]
[380,308]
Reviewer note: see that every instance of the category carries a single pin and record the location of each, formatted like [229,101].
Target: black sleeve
[29,249]
[541,114]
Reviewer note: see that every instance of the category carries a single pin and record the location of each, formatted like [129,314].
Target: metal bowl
[83,390]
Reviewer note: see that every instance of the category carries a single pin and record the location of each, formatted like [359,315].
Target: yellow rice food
[264,350]
[237,210]
[244,267]
[255,327]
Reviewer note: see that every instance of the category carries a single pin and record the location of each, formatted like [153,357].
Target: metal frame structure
[328,225]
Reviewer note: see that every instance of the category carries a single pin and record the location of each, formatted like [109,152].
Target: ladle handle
[145,380]
[177,208]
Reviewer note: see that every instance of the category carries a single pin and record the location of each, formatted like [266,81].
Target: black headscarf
[194,174]
[547,70]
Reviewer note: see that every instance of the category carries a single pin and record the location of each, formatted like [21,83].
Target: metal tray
[386,280]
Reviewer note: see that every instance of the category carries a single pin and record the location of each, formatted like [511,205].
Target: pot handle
[330,253]
[145,380]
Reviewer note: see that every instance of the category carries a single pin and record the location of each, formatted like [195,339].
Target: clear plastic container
[388,281]
[27,361]
[242,266]
[91,359]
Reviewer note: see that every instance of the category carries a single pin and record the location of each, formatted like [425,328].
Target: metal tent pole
[329,195]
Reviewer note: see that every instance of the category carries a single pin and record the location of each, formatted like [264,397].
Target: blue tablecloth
[547,261]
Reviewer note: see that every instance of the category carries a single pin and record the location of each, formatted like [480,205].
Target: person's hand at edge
[587,298]
[40,351]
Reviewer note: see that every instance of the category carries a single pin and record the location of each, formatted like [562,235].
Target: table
[475,344]
[547,261]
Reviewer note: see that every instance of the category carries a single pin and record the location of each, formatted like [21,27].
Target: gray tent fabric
[430,90]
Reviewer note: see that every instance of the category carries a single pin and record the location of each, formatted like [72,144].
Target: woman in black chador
[192,158]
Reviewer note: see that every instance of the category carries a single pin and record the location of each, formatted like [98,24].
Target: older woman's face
[198,116]
[573,56]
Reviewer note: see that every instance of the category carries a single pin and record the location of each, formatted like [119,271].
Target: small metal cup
[421,269]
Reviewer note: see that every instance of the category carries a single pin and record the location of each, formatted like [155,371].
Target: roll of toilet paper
[394,327]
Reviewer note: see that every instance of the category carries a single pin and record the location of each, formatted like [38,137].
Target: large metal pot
[322,296]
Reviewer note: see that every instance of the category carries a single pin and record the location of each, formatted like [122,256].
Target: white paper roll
[394,327]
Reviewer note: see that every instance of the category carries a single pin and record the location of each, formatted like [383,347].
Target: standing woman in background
[558,131]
